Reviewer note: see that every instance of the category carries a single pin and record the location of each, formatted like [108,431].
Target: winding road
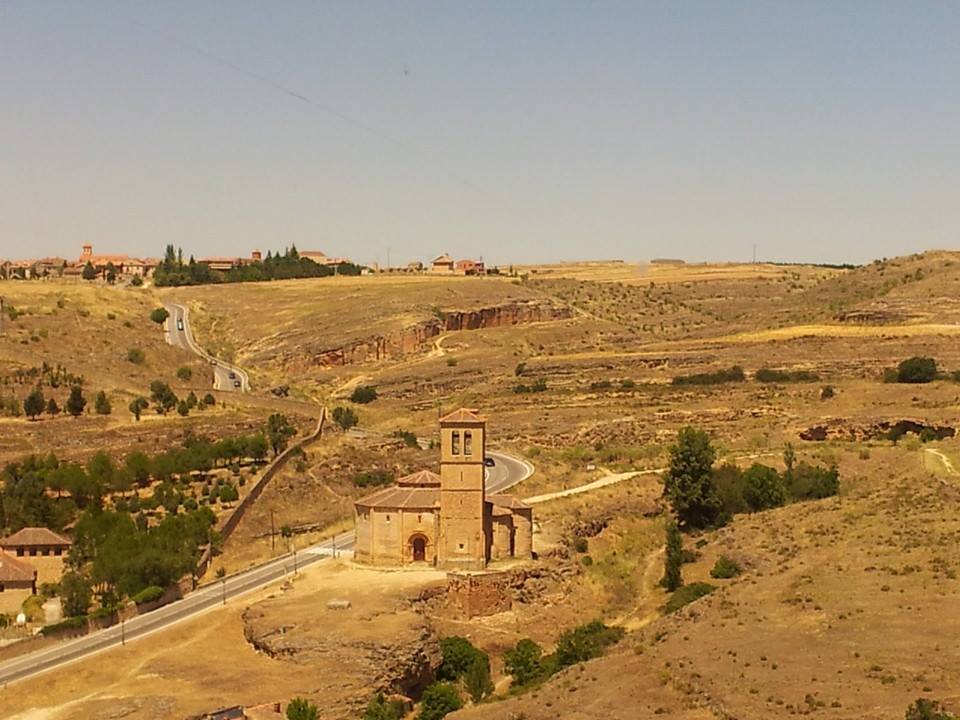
[178,333]
[506,472]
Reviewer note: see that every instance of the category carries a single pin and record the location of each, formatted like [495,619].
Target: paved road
[507,472]
[204,598]
[179,334]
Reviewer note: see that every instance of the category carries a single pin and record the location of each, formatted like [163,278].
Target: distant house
[50,267]
[442,263]
[40,548]
[415,266]
[223,264]
[18,581]
[470,267]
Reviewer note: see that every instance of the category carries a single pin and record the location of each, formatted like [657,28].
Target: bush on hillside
[763,488]
[159,315]
[586,642]
[363,394]
[439,700]
[151,593]
[345,417]
[810,482]
[686,595]
[769,375]
[917,370]
[733,374]
[725,568]
[373,478]
[523,662]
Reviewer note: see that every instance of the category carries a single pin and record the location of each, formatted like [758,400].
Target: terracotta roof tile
[34,536]
[463,415]
[507,501]
[12,570]
[402,498]
[423,478]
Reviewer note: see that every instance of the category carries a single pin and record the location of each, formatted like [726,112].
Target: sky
[513,130]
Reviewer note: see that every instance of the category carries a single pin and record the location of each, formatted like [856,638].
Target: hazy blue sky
[515,130]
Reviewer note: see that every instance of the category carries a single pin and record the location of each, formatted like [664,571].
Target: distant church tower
[462,543]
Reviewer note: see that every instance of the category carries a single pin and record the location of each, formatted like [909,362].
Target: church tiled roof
[464,415]
[507,501]
[423,478]
[403,498]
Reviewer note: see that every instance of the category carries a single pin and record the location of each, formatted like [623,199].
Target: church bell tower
[462,543]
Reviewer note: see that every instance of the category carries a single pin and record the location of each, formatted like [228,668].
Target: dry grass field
[845,608]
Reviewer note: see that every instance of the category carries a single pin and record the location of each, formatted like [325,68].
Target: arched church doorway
[418,544]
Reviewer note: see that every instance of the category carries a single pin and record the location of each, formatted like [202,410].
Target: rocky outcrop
[417,338]
[359,654]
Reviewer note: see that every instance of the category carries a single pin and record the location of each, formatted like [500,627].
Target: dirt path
[944,459]
[614,478]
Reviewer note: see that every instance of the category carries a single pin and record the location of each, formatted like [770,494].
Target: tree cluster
[173,271]
[704,496]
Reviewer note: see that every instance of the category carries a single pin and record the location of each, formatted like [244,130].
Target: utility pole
[223,588]
[334,545]
[754,253]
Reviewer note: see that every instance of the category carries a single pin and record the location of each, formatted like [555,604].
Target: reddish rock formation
[417,338]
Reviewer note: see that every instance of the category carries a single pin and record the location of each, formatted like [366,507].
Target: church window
[461,547]
[455,442]
[388,518]
[467,442]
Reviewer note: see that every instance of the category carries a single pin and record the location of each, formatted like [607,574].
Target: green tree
[184,373]
[673,564]
[789,460]
[439,700]
[135,355]
[279,432]
[102,404]
[345,417]
[688,484]
[586,642]
[89,271]
[458,654]
[477,678]
[917,370]
[925,709]
[162,397]
[363,394]
[380,708]
[52,408]
[75,593]
[137,406]
[76,402]
[137,465]
[763,488]
[159,315]
[302,709]
[34,404]
[182,408]
[523,661]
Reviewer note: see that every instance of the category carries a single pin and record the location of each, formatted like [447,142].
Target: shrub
[373,478]
[458,655]
[382,709]
[302,709]
[809,482]
[924,709]
[71,623]
[137,281]
[769,375]
[438,700]
[101,404]
[627,384]
[586,642]
[184,373]
[686,595]
[917,370]
[229,493]
[725,568]
[580,544]
[523,662]
[827,392]
[363,394]
[159,315]
[148,594]
[136,356]
[733,374]
[728,485]
[345,417]
[409,438]
[539,385]
[601,385]
[763,488]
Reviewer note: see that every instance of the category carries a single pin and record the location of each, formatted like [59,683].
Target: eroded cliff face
[350,655]
[418,338]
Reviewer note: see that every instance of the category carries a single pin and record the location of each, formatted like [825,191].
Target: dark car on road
[488,461]
[237,383]
[233,376]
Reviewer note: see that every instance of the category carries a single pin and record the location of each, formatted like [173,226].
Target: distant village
[124,268]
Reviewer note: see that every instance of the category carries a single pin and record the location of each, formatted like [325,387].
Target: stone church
[446,520]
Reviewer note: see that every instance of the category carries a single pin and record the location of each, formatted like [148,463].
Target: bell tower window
[455,442]
[467,442]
